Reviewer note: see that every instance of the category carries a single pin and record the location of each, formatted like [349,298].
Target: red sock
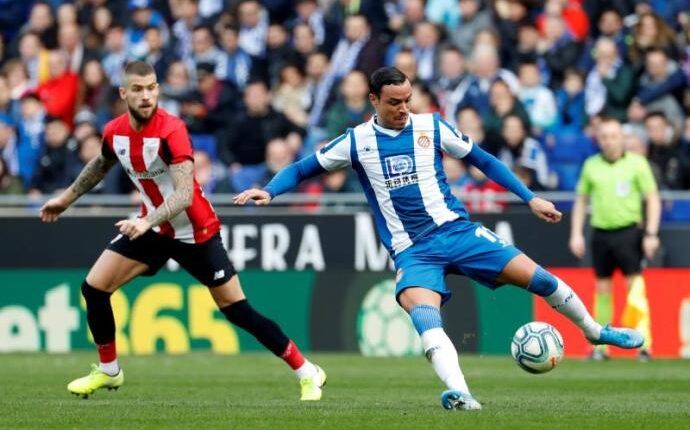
[292,356]
[107,352]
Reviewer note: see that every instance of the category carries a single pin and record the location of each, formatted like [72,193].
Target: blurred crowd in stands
[262,83]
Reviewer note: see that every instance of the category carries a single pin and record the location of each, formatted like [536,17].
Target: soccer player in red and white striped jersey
[176,222]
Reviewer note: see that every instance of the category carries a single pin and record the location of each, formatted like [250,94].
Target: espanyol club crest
[423,141]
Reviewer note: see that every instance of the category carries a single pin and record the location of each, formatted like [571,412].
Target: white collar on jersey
[389,131]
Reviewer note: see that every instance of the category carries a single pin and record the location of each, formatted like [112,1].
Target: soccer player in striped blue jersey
[397,156]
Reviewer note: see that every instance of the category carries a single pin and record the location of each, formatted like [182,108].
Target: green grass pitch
[253,391]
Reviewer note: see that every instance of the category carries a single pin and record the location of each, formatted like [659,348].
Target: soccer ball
[537,347]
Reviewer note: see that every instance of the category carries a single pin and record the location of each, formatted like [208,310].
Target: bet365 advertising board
[325,279]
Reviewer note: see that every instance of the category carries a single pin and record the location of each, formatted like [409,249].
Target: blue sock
[425,317]
[542,283]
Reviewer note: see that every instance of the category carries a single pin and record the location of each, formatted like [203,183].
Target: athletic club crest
[423,141]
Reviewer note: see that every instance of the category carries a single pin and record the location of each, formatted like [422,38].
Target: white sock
[111,368]
[443,356]
[565,301]
[307,369]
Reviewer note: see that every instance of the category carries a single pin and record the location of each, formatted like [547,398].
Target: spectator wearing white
[538,99]
[239,62]
[253,20]
[452,82]
[187,17]
[205,51]
[425,49]
[116,54]
[609,85]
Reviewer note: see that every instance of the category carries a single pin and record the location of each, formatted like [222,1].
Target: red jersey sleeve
[179,145]
[107,144]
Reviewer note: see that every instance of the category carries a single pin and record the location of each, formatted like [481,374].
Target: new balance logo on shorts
[218,275]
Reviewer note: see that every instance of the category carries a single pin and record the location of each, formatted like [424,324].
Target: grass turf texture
[257,391]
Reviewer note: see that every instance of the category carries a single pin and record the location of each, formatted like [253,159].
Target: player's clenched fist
[133,228]
[545,210]
[260,197]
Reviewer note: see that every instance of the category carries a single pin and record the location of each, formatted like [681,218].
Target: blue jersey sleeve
[499,172]
[290,176]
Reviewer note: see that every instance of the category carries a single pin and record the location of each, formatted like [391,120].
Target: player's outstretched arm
[93,173]
[283,181]
[182,175]
[499,172]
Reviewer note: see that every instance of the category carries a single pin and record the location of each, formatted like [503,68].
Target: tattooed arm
[181,198]
[94,171]
[183,184]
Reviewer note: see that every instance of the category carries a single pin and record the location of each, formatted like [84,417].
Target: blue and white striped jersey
[402,174]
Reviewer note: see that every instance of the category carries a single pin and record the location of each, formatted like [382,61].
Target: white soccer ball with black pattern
[537,347]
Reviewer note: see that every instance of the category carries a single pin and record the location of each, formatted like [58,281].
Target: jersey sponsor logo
[399,165]
[401,172]
[401,181]
[218,275]
[149,174]
[423,141]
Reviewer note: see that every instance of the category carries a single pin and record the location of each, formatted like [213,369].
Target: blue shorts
[459,247]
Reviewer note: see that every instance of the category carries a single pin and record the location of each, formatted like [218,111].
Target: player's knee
[542,283]
[425,317]
[91,293]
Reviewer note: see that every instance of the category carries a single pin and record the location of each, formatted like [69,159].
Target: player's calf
[441,353]
[564,300]
[312,378]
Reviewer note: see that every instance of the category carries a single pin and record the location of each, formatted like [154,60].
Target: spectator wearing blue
[424,47]
[570,101]
[558,49]
[240,63]
[610,25]
[445,13]
[325,30]
[32,130]
[187,14]
[661,86]
[59,164]
[144,15]
[610,84]
[158,53]
[115,55]
[486,68]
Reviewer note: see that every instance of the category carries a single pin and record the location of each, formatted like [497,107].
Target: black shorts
[208,261]
[620,248]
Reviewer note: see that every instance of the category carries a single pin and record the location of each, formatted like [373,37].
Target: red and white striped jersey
[146,156]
